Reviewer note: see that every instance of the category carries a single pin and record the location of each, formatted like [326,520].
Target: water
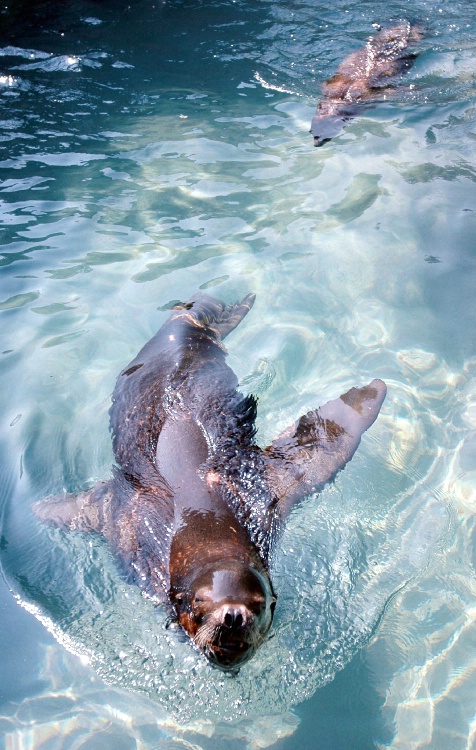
[151,150]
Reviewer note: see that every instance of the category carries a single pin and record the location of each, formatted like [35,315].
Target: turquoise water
[154,149]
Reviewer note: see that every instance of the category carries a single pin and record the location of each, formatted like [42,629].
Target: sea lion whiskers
[215,631]
[206,633]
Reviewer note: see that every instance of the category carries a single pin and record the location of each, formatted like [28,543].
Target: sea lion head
[227,610]
[325,127]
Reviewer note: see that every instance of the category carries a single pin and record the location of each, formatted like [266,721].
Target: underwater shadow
[344,714]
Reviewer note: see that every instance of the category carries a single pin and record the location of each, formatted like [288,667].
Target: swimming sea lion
[362,78]
[194,507]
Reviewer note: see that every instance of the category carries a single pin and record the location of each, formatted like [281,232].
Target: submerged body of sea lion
[364,77]
[195,507]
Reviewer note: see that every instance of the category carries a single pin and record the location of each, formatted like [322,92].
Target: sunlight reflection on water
[127,188]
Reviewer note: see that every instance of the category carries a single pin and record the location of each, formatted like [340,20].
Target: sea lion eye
[202,595]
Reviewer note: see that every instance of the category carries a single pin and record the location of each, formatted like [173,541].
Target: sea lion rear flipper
[82,511]
[233,315]
[310,454]
[211,313]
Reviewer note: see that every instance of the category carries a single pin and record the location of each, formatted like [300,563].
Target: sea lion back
[173,360]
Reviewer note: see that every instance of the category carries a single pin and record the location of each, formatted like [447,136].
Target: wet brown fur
[195,507]
[364,77]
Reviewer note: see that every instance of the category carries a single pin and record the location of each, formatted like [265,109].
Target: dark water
[153,149]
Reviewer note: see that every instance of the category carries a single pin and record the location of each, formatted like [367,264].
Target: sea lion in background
[195,507]
[363,78]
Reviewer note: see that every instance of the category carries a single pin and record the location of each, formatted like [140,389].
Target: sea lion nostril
[238,619]
[233,618]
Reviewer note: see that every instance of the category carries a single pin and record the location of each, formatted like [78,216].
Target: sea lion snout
[325,126]
[234,617]
[230,633]
[236,636]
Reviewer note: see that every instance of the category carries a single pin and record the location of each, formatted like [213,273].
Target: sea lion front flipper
[82,511]
[310,454]
[134,520]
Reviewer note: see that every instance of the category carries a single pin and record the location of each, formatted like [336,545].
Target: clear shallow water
[144,160]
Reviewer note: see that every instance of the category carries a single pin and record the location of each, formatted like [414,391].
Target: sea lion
[363,78]
[194,507]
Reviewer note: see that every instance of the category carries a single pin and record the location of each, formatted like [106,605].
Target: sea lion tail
[215,314]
